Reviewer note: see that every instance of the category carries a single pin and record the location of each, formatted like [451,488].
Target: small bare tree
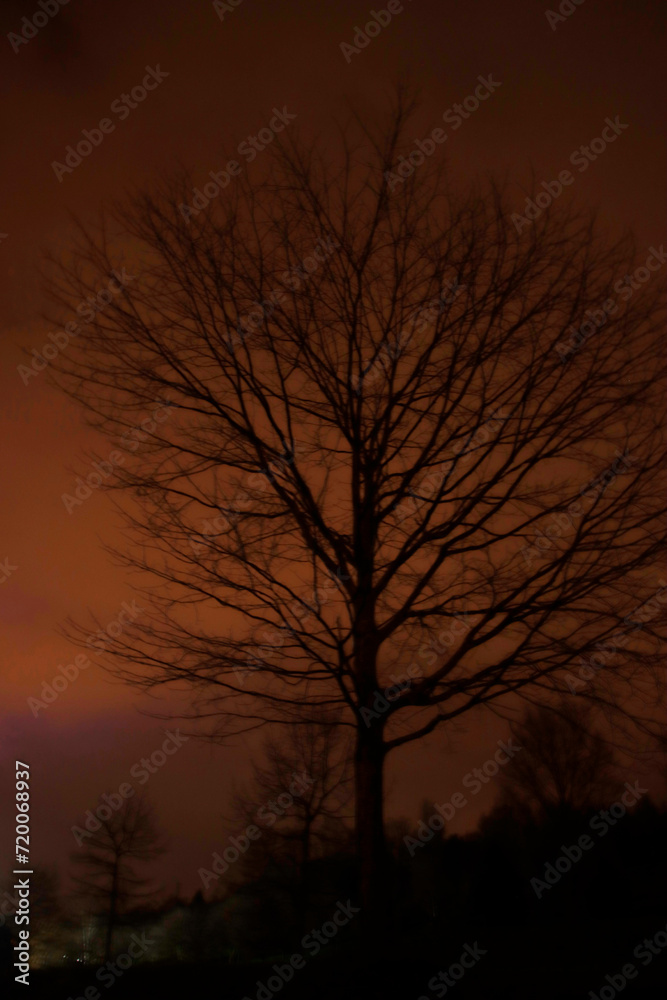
[565,767]
[109,860]
[319,758]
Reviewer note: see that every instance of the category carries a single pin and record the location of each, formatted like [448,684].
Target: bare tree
[565,767]
[109,859]
[397,462]
[318,757]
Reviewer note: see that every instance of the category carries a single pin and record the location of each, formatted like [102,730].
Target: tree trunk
[113,901]
[370,835]
[369,755]
[304,875]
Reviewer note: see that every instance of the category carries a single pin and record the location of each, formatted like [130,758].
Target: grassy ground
[563,963]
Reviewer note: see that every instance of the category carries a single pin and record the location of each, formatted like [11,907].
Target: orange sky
[224,80]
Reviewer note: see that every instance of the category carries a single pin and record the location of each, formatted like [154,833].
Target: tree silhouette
[566,767]
[109,859]
[392,463]
[315,821]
